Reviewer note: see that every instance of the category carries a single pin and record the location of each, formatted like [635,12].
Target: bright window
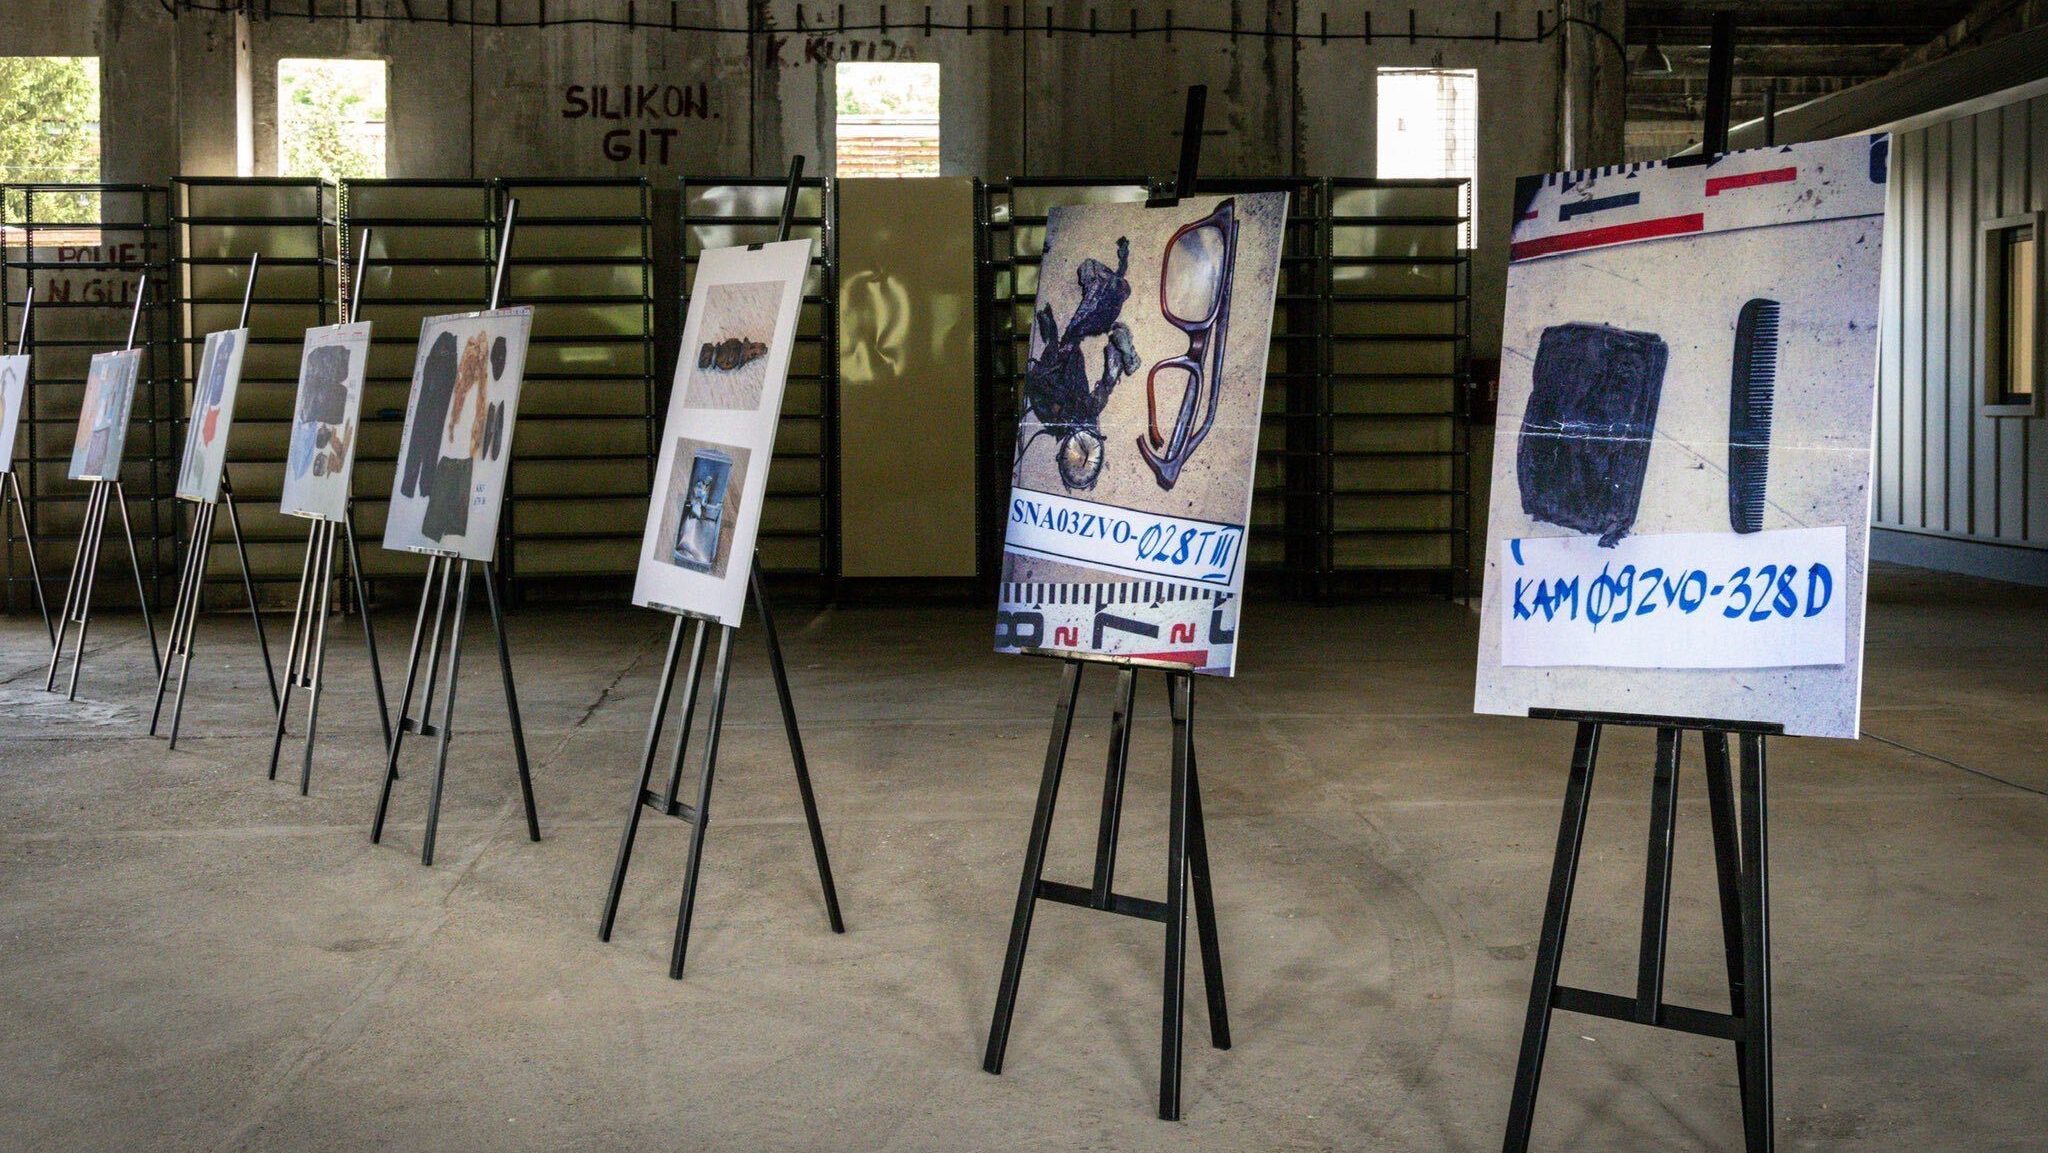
[50,130]
[330,118]
[1429,129]
[888,122]
[2010,353]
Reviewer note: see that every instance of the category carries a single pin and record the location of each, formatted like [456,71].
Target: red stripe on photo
[1719,184]
[1612,234]
[1198,658]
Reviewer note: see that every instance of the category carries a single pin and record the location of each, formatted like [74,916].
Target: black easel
[698,816]
[192,580]
[85,560]
[1742,871]
[1741,848]
[446,569]
[307,657]
[1187,847]
[10,484]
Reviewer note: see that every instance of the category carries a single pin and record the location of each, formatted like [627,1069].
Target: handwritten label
[650,107]
[1078,531]
[1676,601]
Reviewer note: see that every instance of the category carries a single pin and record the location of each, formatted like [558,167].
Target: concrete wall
[584,100]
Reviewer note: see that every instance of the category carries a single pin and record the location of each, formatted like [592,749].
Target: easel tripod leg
[78,603]
[1034,867]
[1757,1105]
[249,585]
[447,714]
[120,496]
[92,571]
[511,703]
[355,569]
[35,570]
[796,751]
[412,669]
[1120,723]
[186,572]
[202,544]
[664,688]
[1728,881]
[316,660]
[294,658]
[71,588]
[1205,900]
[702,822]
[1571,835]
[1172,1009]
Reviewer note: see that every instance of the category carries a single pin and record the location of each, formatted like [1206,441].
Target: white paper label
[1676,601]
[1139,543]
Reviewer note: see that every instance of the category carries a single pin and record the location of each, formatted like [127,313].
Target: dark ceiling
[1802,48]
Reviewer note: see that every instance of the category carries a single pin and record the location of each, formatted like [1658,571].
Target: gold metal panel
[906,363]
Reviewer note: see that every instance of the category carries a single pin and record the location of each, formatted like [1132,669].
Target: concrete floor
[192,957]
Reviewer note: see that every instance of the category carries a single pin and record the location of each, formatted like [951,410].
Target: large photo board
[213,410]
[13,387]
[325,419]
[457,442]
[1131,488]
[103,415]
[1681,481]
[724,406]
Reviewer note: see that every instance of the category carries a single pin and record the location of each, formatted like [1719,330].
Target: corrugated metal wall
[1942,466]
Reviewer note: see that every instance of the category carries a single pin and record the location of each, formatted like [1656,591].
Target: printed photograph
[1131,483]
[322,454]
[729,364]
[700,509]
[103,415]
[13,388]
[457,441]
[1680,505]
[213,410]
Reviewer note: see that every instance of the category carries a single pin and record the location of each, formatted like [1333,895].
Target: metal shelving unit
[85,275]
[219,223]
[800,522]
[1398,435]
[583,463]
[430,254]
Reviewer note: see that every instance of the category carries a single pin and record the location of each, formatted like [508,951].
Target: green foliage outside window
[50,133]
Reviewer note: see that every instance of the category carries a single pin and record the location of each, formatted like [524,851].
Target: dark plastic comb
[1754,386]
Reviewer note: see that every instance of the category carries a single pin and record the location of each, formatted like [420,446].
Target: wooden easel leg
[316,661]
[1181,684]
[701,820]
[1728,880]
[412,668]
[28,542]
[447,713]
[1113,784]
[355,569]
[511,703]
[227,495]
[1034,867]
[120,498]
[296,652]
[664,688]
[1757,1105]
[1205,900]
[796,751]
[1571,835]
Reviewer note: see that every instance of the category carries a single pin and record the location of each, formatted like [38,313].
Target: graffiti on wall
[812,51]
[648,116]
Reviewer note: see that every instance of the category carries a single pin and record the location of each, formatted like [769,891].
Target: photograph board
[724,406]
[1138,431]
[103,415]
[13,391]
[457,443]
[1681,477]
[213,411]
[325,419]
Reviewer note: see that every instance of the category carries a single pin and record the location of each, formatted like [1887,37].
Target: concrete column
[138,94]
[1593,93]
